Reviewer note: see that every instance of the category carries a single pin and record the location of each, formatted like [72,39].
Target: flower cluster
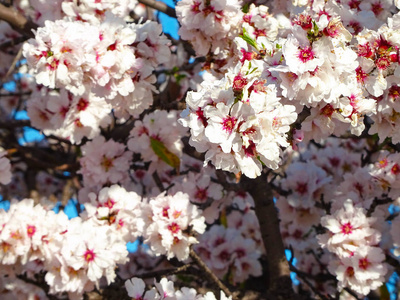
[104,162]
[113,60]
[68,116]
[239,121]
[158,140]
[353,239]
[170,222]
[227,250]
[208,25]
[165,290]
[328,187]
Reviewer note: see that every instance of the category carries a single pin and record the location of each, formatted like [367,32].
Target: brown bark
[17,21]
[279,282]
[160,6]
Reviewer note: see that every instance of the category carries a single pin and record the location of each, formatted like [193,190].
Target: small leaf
[179,77]
[245,8]
[385,295]
[248,39]
[164,154]
[223,218]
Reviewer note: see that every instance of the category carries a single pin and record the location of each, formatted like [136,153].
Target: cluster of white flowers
[77,253]
[239,121]
[170,222]
[104,162]
[353,239]
[95,11]
[313,61]
[326,64]
[62,114]
[208,25]
[226,250]
[106,64]
[329,187]
[92,11]
[158,140]
[165,290]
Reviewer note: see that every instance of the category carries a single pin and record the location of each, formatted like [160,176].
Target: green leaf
[316,29]
[248,39]
[259,159]
[164,154]
[179,77]
[245,8]
[385,295]
[253,70]
[223,219]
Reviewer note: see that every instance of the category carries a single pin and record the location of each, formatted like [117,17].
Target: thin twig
[15,124]
[13,65]
[158,182]
[210,273]
[376,203]
[160,6]
[303,277]
[16,94]
[17,21]
[13,42]
[166,272]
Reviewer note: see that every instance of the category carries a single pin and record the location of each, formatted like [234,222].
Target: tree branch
[13,42]
[280,284]
[17,21]
[160,6]
[166,272]
[210,274]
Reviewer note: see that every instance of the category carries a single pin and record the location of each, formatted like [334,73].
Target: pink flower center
[394,92]
[201,117]
[302,188]
[228,124]
[395,169]
[78,123]
[240,253]
[82,104]
[89,255]
[251,150]
[350,272]
[361,75]
[30,230]
[376,8]
[347,228]
[15,235]
[224,256]
[196,7]
[306,54]
[355,4]
[165,212]
[110,203]
[363,263]
[201,194]
[382,63]
[107,163]
[239,83]
[327,110]
[174,228]
[334,161]
[305,21]
[365,50]
[176,214]
[356,26]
